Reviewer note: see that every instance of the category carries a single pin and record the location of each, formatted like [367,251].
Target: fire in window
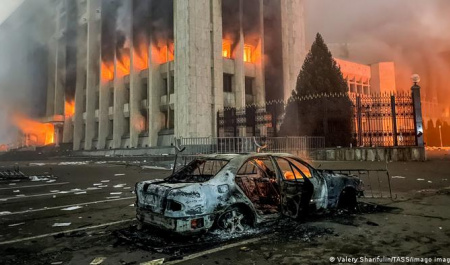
[248,52]
[226,49]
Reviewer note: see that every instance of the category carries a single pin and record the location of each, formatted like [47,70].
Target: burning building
[130,74]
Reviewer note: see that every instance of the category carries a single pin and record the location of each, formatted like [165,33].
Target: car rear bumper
[186,225]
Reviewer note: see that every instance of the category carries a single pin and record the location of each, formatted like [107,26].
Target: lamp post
[440,134]
[418,120]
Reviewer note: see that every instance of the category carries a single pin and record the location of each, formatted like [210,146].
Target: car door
[295,187]
[319,197]
[257,179]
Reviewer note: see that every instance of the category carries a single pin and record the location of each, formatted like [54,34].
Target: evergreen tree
[329,115]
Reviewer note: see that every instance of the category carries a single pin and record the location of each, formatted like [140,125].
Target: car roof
[243,156]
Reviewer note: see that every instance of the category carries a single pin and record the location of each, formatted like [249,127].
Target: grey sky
[8,6]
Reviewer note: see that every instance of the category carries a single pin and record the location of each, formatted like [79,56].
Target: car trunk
[153,196]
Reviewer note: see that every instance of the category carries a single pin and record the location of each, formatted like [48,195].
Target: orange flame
[123,63]
[163,52]
[140,57]
[226,49]
[69,108]
[138,123]
[36,132]
[4,148]
[107,71]
[248,53]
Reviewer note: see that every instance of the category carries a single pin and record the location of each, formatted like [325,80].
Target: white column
[193,86]
[93,66]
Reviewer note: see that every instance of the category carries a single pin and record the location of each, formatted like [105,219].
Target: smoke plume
[23,65]
[412,33]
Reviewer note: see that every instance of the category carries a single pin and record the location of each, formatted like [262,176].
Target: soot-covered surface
[284,229]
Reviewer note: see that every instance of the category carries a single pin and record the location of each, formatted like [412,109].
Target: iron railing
[378,119]
[239,145]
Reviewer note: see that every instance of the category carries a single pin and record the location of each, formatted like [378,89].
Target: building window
[127,93]
[144,87]
[248,50]
[248,85]
[83,132]
[172,85]
[226,49]
[97,125]
[110,128]
[172,119]
[111,97]
[97,100]
[352,87]
[84,103]
[227,83]
[145,122]
[126,128]
[164,88]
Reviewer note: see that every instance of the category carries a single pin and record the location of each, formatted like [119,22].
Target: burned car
[234,191]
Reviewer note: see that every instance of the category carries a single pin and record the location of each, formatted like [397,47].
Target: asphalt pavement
[68,214]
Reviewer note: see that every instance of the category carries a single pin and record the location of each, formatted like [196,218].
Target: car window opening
[199,170]
[258,181]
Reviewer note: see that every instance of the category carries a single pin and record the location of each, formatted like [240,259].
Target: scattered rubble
[285,229]
[61,224]
[72,208]
[14,174]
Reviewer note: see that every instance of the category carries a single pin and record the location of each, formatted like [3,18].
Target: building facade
[365,79]
[131,74]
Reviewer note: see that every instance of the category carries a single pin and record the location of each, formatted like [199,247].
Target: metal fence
[384,120]
[223,145]
[377,182]
[378,119]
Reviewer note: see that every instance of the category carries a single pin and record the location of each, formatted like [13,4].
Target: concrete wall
[383,77]
[370,154]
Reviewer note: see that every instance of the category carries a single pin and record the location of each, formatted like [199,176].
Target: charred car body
[230,191]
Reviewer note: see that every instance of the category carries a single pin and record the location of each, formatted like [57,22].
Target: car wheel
[347,200]
[233,220]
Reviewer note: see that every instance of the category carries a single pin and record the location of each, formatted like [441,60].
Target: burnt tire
[347,200]
[233,220]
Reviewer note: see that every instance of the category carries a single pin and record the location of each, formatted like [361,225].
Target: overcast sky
[8,6]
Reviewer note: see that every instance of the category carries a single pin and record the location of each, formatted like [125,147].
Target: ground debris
[98,260]
[282,230]
[175,245]
[14,174]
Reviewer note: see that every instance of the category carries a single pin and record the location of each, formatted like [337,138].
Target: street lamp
[440,134]
[415,78]
[418,119]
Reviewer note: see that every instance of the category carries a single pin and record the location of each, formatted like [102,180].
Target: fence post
[418,120]
[218,124]
[234,121]
[359,120]
[394,121]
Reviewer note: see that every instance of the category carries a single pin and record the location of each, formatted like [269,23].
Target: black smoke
[109,28]
[273,50]
[71,50]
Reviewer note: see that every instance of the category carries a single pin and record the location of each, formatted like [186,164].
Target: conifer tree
[325,114]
